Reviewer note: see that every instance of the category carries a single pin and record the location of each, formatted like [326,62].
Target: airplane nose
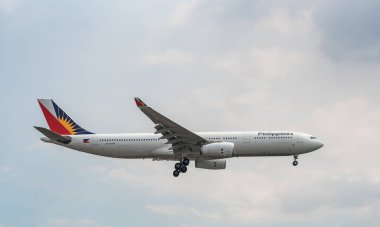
[316,145]
[319,144]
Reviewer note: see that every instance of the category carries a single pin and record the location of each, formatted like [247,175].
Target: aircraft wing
[179,137]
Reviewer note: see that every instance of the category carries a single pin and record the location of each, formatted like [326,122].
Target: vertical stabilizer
[58,121]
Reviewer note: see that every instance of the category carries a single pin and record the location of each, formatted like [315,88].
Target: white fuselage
[148,145]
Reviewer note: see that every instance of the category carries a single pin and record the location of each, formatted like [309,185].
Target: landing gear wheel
[295,163]
[176,173]
[185,161]
[177,166]
[183,169]
[180,167]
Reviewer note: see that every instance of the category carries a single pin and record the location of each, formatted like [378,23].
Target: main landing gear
[295,162]
[181,167]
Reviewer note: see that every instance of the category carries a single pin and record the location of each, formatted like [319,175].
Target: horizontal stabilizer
[52,135]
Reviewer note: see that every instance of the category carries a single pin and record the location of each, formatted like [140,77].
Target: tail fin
[58,121]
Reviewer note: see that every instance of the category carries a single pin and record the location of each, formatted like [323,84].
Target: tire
[186,162]
[295,163]
[176,173]
[177,166]
[183,169]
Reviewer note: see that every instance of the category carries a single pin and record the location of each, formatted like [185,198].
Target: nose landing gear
[181,167]
[295,162]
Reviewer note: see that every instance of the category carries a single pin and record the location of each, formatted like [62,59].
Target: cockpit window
[313,137]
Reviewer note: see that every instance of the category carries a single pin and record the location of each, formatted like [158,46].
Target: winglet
[139,103]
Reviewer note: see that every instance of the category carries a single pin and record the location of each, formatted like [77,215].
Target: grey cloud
[350,29]
[220,27]
[337,194]
[227,65]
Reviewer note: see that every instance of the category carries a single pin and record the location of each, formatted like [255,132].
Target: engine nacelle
[218,150]
[210,164]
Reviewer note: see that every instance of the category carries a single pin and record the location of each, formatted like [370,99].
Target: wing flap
[178,136]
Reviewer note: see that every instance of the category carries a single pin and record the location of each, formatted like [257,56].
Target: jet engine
[218,150]
[210,164]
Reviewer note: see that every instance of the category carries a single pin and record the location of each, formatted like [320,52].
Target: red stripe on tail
[53,122]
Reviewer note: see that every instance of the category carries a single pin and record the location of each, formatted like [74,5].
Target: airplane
[172,142]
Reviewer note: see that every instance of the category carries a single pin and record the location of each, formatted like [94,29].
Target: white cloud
[7,5]
[245,84]
[261,71]
[168,57]
[190,225]
[61,222]
[265,193]
[5,169]
[5,225]
[351,120]
[341,179]
[180,210]
[181,13]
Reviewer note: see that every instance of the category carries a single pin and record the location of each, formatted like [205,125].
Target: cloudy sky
[310,66]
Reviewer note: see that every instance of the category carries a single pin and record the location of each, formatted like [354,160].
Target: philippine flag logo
[86,140]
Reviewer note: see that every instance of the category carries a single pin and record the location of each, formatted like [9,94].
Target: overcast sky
[310,66]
